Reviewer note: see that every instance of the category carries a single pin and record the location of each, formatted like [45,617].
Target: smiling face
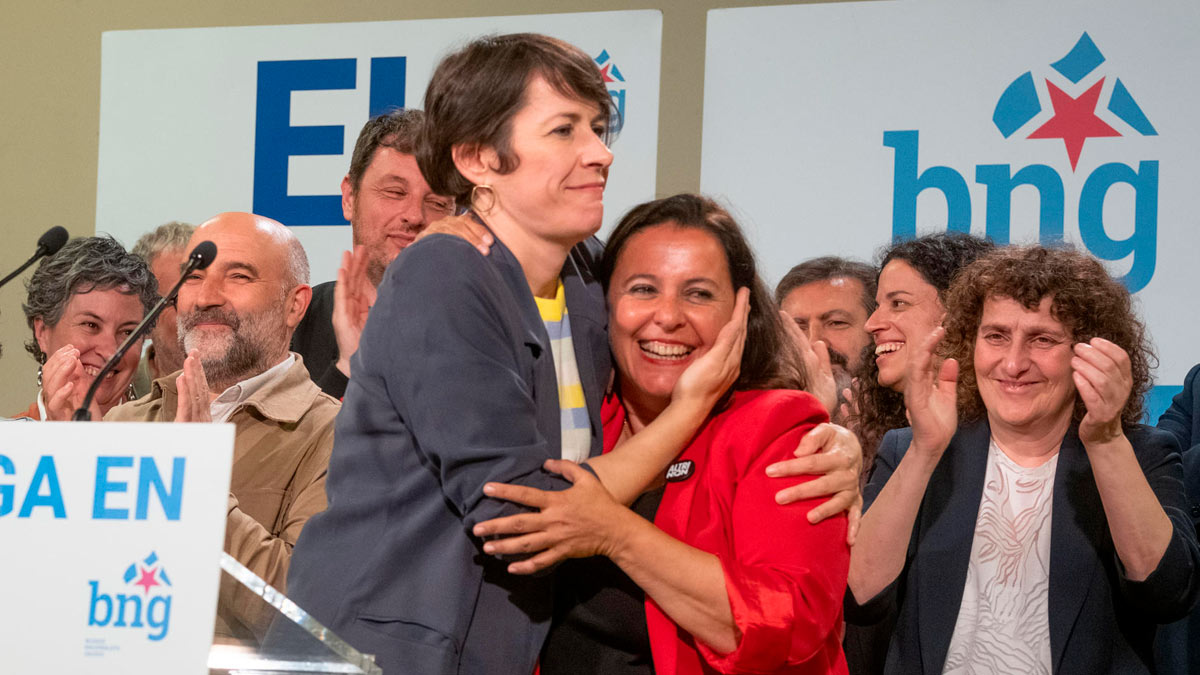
[668,298]
[908,311]
[240,312]
[832,310]
[556,193]
[390,207]
[1023,368]
[96,323]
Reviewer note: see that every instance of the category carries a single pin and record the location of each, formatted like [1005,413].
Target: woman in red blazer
[706,572]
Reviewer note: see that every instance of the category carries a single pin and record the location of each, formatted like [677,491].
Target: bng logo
[1076,124]
[615,81]
[142,601]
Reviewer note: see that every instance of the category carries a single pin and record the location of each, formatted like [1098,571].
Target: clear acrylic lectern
[274,636]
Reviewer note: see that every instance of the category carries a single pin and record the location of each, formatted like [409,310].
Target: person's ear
[348,196]
[41,333]
[476,163]
[297,304]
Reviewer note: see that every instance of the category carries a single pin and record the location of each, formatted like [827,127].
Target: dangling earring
[479,191]
[39,376]
[130,393]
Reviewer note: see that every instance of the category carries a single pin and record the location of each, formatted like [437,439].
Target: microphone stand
[48,244]
[22,268]
[196,260]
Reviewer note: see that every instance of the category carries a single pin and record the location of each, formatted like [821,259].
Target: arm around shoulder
[446,338]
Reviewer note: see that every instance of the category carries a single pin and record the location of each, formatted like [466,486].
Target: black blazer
[454,386]
[1177,648]
[1182,420]
[1100,621]
[315,340]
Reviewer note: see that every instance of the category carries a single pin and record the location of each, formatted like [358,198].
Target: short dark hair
[1083,297]
[476,91]
[82,265]
[397,128]
[826,268]
[770,359]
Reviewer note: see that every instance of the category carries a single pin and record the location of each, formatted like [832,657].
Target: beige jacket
[282,442]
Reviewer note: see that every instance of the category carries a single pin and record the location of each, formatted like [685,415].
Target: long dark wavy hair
[937,258]
[770,359]
[1083,297]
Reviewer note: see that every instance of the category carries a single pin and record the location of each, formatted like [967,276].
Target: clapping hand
[1103,378]
[930,395]
[817,365]
[64,384]
[194,404]
[353,296]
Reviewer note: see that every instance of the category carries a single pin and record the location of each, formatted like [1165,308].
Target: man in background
[235,321]
[388,203]
[830,299]
[164,249]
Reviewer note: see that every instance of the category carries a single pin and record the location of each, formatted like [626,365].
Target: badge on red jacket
[680,471]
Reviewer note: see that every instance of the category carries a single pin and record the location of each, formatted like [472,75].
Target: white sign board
[832,128]
[198,121]
[112,536]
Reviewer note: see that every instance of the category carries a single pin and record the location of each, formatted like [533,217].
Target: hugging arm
[446,337]
[754,602]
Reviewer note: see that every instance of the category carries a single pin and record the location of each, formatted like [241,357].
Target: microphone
[200,257]
[48,244]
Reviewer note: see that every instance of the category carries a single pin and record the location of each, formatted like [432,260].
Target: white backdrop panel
[184,111]
[798,100]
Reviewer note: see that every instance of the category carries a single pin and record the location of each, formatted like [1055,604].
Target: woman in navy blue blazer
[1026,522]
[458,379]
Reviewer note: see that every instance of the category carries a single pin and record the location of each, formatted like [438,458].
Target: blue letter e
[275,139]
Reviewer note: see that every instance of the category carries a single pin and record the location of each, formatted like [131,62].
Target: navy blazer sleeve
[1173,587]
[1182,420]
[459,373]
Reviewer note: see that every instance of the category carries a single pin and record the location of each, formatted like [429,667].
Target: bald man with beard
[236,319]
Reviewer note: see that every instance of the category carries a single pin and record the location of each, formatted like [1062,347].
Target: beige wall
[50,102]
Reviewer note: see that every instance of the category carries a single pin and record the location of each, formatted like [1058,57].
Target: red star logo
[604,73]
[1074,120]
[147,581]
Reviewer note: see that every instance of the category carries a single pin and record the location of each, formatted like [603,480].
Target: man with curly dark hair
[388,203]
[1026,522]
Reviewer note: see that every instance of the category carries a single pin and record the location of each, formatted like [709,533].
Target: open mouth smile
[888,348]
[666,351]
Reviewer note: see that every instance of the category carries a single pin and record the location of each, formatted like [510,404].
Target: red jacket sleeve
[785,577]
